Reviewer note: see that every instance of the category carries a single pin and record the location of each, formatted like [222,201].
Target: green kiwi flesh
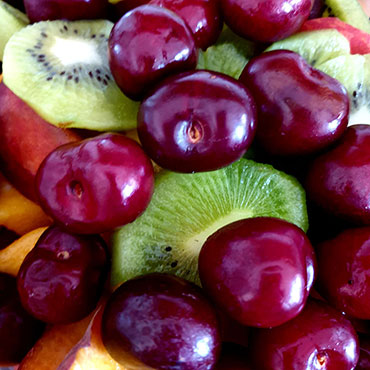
[11,21]
[229,55]
[316,47]
[349,11]
[187,208]
[61,70]
[353,71]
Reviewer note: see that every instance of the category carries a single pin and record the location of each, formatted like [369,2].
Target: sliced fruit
[11,21]
[68,62]
[187,208]
[316,47]
[365,4]
[349,11]
[89,353]
[229,55]
[353,71]
[51,349]
[359,40]
[13,255]
[18,213]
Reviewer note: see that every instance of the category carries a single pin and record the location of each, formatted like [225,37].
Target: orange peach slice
[17,213]
[13,255]
[54,345]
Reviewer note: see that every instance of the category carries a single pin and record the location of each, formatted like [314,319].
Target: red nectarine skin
[25,140]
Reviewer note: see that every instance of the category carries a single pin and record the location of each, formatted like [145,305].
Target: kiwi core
[195,242]
[74,51]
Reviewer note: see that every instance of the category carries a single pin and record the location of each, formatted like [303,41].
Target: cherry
[162,321]
[318,338]
[317,9]
[197,121]
[19,331]
[146,45]
[62,278]
[42,10]
[97,184]
[256,270]
[303,111]
[265,20]
[338,180]
[364,360]
[344,272]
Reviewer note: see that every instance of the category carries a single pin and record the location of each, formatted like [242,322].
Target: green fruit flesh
[11,21]
[316,47]
[353,71]
[187,208]
[229,55]
[61,70]
[349,11]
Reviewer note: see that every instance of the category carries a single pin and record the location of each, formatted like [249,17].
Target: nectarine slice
[13,255]
[18,213]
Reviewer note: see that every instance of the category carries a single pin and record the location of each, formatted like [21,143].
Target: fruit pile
[185,184]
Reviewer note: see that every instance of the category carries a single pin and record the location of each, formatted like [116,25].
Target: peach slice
[18,213]
[13,255]
[54,345]
[90,353]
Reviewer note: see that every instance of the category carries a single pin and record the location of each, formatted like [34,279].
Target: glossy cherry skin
[62,278]
[197,121]
[344,272]
[338,180]
[265,20]
[303,111]
[319,338]
[146,45]
[256,270]
[43,10]
[97,184]
[317,9]
[202,16]
[163,322]
[19,331]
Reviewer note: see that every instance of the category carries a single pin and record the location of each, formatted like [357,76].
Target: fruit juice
[223,185]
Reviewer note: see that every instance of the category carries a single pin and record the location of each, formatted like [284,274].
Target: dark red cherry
[97,184]
[62,278]
[344,272]
[338,181]
[256,270]
[197,121]
[319,338]
[301,110]
[42,10]
[317,9]
[265,20]
[364,360]
[161,321]
[146,45]
[19,331]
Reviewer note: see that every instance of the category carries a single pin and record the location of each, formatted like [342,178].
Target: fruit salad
[184,184]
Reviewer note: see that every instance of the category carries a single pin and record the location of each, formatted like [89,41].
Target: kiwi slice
[187,208]
[11,21]
[61,70]
[349,11]
[353,71]
[229,55]
[315,46]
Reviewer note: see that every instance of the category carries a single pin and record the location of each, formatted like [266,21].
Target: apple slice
[18,213]
[25,140]
[90,353]
[13,255]
[359,40]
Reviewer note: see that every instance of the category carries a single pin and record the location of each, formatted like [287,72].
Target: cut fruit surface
[187,208]
[349,11]
[229,55]
[317,46]
[61,70]
[11,21]
[353,71]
